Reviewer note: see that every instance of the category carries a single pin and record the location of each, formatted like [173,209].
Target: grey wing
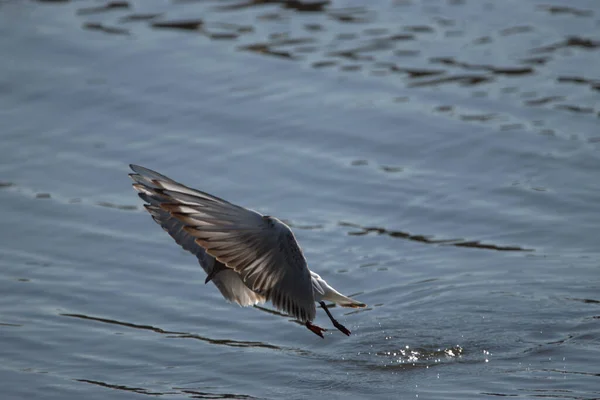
[262,250]
[228,282]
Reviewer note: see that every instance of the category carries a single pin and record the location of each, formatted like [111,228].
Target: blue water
[438,160]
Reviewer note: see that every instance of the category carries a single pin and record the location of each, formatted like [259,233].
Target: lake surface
[438,160]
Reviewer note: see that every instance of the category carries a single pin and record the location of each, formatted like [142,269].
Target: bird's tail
[343,301]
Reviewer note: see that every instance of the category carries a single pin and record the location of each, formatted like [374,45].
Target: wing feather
[261,250]
[227,281]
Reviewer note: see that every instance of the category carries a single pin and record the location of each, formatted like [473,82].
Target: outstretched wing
[227,281]
[262,250]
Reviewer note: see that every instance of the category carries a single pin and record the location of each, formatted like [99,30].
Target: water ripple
[427,239]
[182,335]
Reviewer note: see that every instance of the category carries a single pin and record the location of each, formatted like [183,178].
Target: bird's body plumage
[251,258]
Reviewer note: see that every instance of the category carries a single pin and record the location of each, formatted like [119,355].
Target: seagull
[251,258]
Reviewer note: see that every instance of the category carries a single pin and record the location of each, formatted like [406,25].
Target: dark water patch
[184,25]
[233,27]
[306,6]
[573,41]
[375,45]
[351,55]
[362,231]
[464,80]
[482,40]
[357,163]
[548,132]
[247,4]
[324,64]
[536,60]
[113,5]
[225,31]
[367,265]
[271,17]
[296,5]
[222,35]
[390,169]
[511,70]
[574,109]
[554,9]
[419,29]
[495,70]
[359,15]
[97,26]
[140,17]
[478,117]
[313,27]
[127,324]
[444,109]
[123,387]
[268,47]
[263,48]
[411,72]
[516,30]
[415,73]
[399,36]
[543,100]
[593,83]
[586,301]
[226,342]
[196,394]
[7,324]
[479,245]
[445,21]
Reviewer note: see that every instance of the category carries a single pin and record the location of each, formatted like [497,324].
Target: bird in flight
[251,258]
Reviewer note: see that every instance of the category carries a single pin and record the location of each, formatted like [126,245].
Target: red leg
[317,330]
